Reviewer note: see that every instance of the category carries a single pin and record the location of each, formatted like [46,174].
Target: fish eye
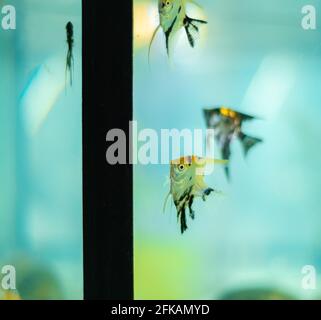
[181,167]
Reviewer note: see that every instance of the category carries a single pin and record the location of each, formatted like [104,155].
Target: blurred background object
[257,294]
[36,279]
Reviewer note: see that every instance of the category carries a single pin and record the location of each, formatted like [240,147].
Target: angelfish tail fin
[248,142]
[192,28]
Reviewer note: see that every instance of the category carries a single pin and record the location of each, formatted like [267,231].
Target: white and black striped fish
[173,17]
[187,183]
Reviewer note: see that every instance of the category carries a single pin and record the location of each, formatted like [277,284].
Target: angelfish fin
[226,153]
[195,3]
[192,28]
[69,67]
[151,42]
[248,142]
[165,202]
[183,221]
[206,193]
[168,33]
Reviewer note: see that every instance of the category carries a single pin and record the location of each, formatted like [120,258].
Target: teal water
[254,57]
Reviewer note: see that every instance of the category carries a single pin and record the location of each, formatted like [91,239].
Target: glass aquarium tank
[256,238]
[41,147]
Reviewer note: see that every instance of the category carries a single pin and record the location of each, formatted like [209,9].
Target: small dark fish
[173,17]
[70,57]
[227,125]
[187,183]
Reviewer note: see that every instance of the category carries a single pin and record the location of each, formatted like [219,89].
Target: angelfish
[187,183]
[173,17]
[227,125]
[70,56]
